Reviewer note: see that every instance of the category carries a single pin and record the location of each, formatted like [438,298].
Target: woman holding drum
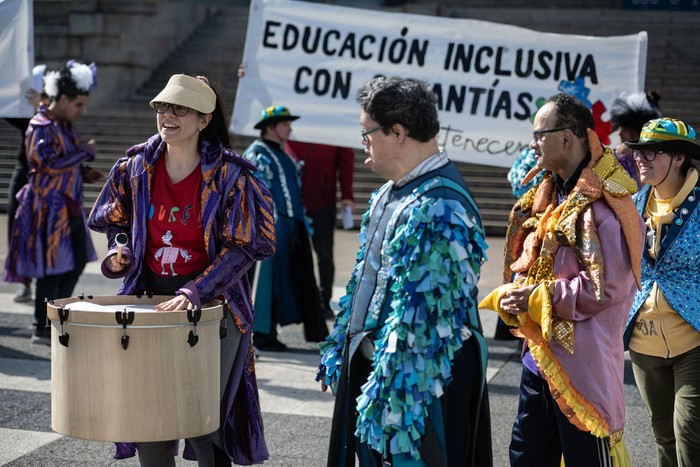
[196,219]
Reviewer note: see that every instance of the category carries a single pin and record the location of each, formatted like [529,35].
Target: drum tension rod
[193,316]
[141,293]
[63,317]
[223,326]
[82,296]
[124,318]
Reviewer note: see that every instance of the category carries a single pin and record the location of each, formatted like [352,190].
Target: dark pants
[542,433]
[457,432]
[61,285]
[670,389]
[322,239]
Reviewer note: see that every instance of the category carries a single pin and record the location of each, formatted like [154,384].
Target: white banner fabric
[490,79]
[17,51]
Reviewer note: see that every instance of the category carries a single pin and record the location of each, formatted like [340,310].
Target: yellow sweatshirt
[659,331]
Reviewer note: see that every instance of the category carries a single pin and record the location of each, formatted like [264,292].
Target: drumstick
[256,278]
[121,240]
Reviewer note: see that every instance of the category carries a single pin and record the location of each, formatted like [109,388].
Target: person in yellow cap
[284,288]
[573,246]
[663,329]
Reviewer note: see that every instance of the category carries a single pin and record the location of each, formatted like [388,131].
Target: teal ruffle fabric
[332,347]
[435,257]
[522,165]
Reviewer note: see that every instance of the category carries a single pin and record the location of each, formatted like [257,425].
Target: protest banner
[17,50]
[489,78]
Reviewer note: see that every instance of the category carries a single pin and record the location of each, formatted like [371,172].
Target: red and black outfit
[323,167]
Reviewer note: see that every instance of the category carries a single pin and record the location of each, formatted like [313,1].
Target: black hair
[217,129]
[571,113]
[634,110]
[271,123]
[66,86]
[264,128]
[405,101]
[687,163]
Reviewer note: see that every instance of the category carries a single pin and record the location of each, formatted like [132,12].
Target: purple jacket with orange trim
[239,229]
[41,236]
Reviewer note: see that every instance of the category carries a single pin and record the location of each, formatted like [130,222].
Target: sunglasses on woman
[646,154]
[178,110]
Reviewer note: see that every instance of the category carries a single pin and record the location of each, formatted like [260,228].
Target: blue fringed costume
[406,357]
[676,269]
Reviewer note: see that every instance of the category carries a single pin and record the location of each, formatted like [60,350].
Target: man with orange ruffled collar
[572,259]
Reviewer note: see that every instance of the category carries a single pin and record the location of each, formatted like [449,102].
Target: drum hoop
[119,326]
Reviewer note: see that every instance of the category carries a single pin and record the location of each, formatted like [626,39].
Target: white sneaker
[42,336]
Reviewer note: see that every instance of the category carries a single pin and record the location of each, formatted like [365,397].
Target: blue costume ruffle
[433,251]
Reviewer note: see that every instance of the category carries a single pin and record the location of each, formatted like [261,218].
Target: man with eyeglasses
[573,250]
[284,287]
[406,356]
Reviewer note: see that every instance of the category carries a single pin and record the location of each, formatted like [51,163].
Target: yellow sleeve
[493,301]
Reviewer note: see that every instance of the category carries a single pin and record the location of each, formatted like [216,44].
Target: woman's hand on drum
[178,303]
[117,263]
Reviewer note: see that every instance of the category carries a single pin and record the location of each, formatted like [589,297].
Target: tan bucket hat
[188,91]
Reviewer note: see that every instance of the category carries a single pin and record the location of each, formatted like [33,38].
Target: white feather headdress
[83,76]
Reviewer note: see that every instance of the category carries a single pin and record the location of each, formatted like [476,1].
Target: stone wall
[125,38]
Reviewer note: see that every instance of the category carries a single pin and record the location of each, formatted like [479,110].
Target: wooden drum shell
[160,388]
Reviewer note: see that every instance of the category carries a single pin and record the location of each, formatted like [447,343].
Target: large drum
[122,372]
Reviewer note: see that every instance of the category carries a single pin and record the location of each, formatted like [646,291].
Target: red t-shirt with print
[175,242]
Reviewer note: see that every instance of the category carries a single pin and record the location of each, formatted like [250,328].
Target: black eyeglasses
[162,107]
[369,132]
[646,154]
[537,134]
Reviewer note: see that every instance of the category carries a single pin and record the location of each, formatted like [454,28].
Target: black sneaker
[42,336]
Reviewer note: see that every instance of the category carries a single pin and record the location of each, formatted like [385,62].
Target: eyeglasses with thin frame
[369,132]
[162,107]
[646,154]
[536,135]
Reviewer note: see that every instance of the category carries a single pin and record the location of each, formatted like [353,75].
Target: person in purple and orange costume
[185,196]
[19,175]
[50,240]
